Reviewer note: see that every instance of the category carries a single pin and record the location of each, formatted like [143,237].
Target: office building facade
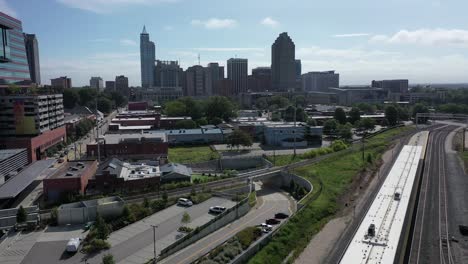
[195,81]
[320,81]
[110,86]
[61,83]
[147,59]
[298,64]
[96,83]
[121,85]
[14,67]
[32,52]
[283,63]
[392,86]
[167,74]
[237,71]
[260,80]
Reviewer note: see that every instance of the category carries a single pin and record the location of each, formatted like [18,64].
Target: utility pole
[154,241]
[295,132]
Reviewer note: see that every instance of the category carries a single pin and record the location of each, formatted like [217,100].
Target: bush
[248,236]
[108,259]
[185,229]
[338,145]
[96,245]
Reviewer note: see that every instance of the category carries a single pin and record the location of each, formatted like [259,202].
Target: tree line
[106,101]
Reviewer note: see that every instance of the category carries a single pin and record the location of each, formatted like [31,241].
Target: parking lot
[134,243]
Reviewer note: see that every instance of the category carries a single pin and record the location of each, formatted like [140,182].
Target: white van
[184,202]
[73,245]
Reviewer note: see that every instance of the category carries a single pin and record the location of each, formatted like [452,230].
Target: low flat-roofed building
[283,134]
[131,146]
[362,94]
[116,175]
[70,178]
[197,136]
[174,172]
[11,162]
[85,211]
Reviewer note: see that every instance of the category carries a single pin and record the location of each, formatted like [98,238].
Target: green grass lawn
[333,174]
[192,154]
[282,160]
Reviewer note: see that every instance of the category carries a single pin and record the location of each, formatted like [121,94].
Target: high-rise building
[121,85]
[167,74]
[110,86]
[283,63]
[14,65]
[260,80]
[237,70]
[147,59]
[32,52]
[195,81]
[213,73]
[96,83]
[393,86]
[320,81]
[298,69]
[61,82]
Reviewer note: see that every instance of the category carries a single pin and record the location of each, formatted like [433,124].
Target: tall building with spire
[283,63]
[147,59]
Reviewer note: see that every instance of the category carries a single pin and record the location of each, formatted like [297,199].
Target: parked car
[265,227]
[88,225]
[272,221]
[281,216]
[217,209]
[184,202]
[73,245]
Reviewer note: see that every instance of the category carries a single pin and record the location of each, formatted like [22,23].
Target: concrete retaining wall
[224,219]
[230,163]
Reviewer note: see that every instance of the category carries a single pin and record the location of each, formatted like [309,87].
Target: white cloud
[351,53]
[168,28]
[100,40]
[351,35]
[215,23]
[269,22]
[438,36]
[7,9]
[128,42]
[107,6]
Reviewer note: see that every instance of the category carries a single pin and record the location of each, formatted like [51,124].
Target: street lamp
[154,241]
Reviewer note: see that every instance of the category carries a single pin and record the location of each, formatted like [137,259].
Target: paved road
[435,220]
[273,201]
[133,243]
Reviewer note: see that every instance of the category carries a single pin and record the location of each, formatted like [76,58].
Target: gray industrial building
[85,211]
[392,86]
[147,58]
[11,162]
[237,71]
[32,52]
[167,74]
[320,81]
[283,63]
[362,94]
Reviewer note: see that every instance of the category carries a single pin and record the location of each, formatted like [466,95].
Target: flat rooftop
[135,137]
[8,153]
[22,180]
[386,213]
[71,169]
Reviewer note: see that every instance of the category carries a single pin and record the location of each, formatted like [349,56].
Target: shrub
[248,235]
[185,229]
[96,245]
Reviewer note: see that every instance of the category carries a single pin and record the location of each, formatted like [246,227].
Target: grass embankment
[331,178]
[192,154]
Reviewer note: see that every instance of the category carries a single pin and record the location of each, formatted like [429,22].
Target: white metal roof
[386,213]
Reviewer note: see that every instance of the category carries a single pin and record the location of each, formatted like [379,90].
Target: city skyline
[427,43]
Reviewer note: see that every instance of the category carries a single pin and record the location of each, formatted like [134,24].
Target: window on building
[4,44]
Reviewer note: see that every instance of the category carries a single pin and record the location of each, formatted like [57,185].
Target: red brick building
[71,178]
[37,145]
[137,106]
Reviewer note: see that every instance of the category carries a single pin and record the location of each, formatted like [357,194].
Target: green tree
[329,127]
[261,103]
[354,115]
[108,259]
[21,215]
[87,96]
[185,124]
[366,108]
[101,227]
[276,102]
[164,197]
[146,202]
[239,138]
[344,131]
[300,100]
[128,215]
[220,107]
[391,114]
[119,99]
[193,108]
[186,218]
[311,122]
[175,108]
[301,116]
[104,105]
[366,125]
[340,115]
[419,108]
[402,113]
[70,98]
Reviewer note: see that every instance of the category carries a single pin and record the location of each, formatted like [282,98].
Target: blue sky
[422,40]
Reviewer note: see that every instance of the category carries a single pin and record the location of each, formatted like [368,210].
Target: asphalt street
[272,201]
[130,243]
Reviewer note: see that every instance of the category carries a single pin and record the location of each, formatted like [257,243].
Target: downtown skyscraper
[237,71]
[147,59]
[32,52]
[283,63]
